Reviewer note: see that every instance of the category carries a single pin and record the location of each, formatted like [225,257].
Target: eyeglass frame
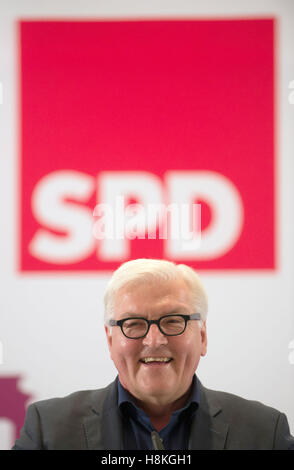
[192,316]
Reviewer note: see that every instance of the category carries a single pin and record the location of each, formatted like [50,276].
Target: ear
[108,337]
[203,333]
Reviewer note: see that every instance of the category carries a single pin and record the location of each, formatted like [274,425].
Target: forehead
[153,298]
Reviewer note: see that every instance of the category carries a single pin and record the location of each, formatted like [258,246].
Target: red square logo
[153,113]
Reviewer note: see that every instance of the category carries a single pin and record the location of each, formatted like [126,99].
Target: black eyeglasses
[169,325]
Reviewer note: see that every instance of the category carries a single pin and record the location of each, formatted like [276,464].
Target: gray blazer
[90,420]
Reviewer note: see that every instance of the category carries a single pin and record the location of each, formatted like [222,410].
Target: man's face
[156,381]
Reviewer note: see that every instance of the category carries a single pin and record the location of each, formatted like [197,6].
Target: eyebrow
[139,315]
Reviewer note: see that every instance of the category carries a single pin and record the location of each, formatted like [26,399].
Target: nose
[154,337]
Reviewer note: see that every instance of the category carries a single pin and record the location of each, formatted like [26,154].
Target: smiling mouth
[156,360]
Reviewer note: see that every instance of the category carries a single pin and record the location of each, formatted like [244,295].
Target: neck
[159,412]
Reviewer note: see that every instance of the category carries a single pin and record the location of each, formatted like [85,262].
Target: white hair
[148,270]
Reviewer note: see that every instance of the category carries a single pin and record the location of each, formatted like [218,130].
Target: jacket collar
[208,430]
[103,425]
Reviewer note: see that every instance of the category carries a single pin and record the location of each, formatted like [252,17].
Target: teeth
[156,359]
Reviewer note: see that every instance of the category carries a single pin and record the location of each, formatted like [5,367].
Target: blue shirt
[137,426]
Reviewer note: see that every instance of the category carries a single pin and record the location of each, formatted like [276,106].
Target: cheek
[123,350]
[189,352]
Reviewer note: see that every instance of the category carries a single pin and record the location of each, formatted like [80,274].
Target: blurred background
[159,102]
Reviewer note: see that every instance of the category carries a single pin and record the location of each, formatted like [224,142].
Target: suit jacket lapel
[208,430]
[103,428]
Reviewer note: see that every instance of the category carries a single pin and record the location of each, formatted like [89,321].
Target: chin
[158,389]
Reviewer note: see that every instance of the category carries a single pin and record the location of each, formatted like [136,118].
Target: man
[155,322]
